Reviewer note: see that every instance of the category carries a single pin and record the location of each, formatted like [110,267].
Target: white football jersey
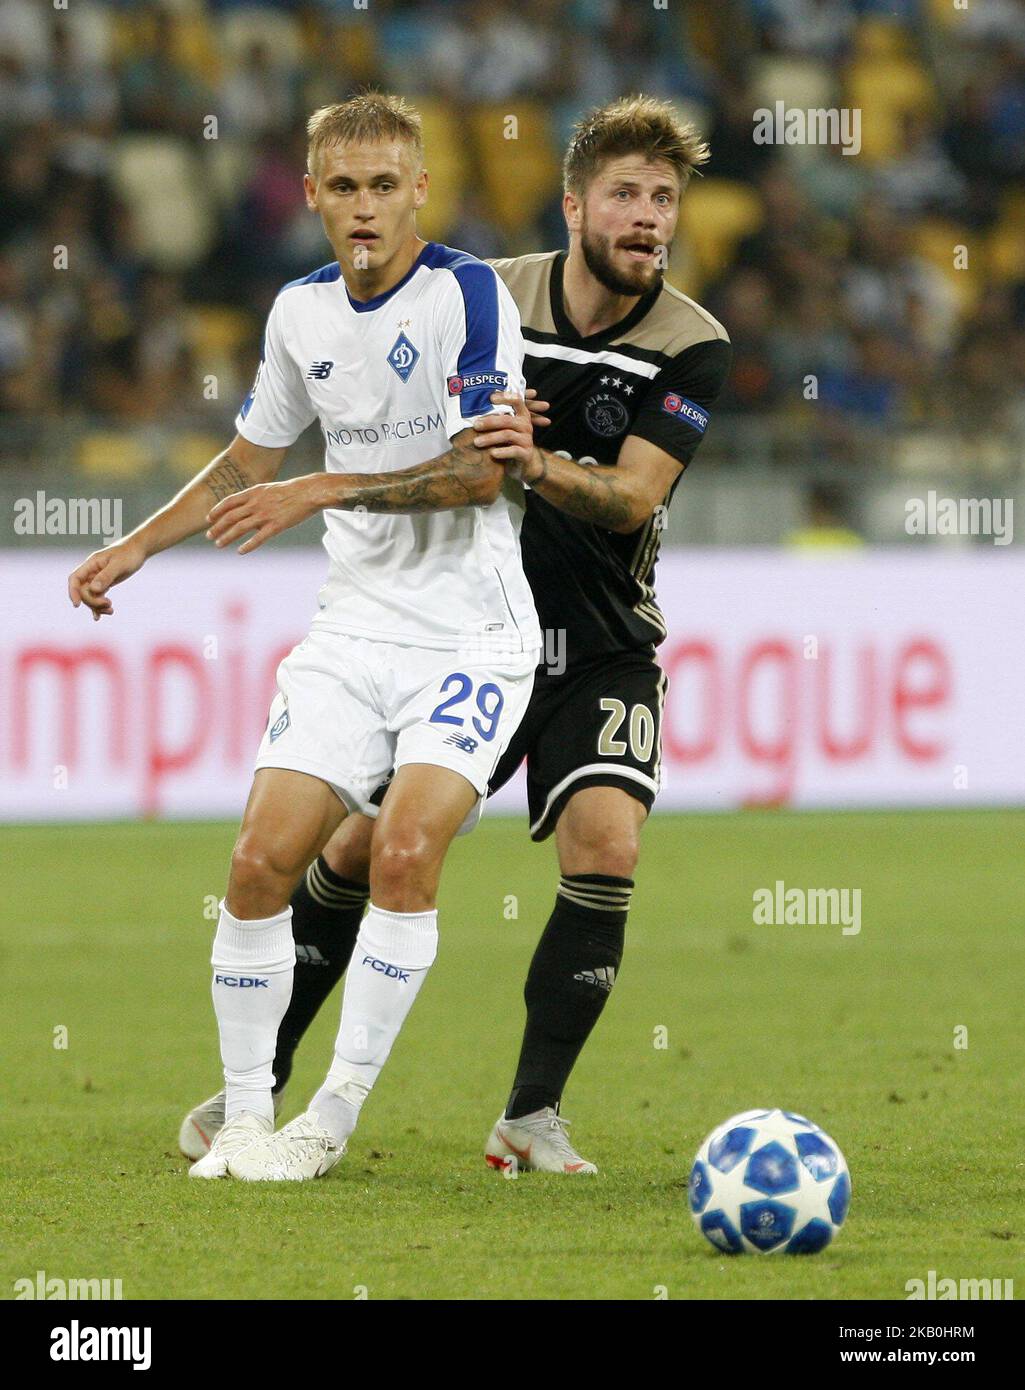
[392,382]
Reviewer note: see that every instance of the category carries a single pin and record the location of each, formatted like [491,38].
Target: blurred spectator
[922,178]
[259,96]
[867,393]
[827,527]
[160,94]
[754,382]
[886,286]
[474,231]
[814,28]
[480,51]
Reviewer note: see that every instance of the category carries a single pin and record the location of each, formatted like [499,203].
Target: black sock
[568,984]
[326,912]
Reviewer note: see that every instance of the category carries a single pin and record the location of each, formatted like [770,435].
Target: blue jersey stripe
[324,275]
[247,403]
[478,284]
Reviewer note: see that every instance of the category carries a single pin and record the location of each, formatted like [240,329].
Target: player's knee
[256,867]
[618,856]
[594,849]
[347,853]
[401,858]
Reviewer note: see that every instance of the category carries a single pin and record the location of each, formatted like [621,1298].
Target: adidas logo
[309,955]
[604,977]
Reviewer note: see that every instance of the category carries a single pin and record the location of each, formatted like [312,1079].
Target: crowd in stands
[151,207]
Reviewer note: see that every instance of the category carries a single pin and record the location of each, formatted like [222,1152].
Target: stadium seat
[934,240]
[715,215]
[517,175]
[885,81]
[801,83]
[228,163]
[186,453]
[878,37]
[160,180]
[446,165]
[944,15]
[215,331]
[197,47]
[358,40]
[1007,240]
[112,454]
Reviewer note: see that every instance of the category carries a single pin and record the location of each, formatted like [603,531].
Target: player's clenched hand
[509,439]
[266,509]
[104,568]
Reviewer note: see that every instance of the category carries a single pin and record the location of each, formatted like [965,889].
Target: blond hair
[631,125]
[364,118]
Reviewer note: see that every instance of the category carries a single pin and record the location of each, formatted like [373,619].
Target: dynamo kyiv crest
[403,357]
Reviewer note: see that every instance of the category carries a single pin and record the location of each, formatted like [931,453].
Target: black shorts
[595,726]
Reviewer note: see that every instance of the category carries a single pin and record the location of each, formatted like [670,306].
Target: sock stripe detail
[601,897]
[342,894]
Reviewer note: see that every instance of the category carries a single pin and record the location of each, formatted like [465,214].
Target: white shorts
[350,710]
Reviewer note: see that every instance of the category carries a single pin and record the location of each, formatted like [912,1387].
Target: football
[767,1181]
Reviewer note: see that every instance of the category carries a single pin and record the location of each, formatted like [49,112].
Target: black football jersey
[655,374]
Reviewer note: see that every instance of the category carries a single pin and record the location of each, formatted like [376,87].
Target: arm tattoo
[589,492]
[226,478]
[453,479]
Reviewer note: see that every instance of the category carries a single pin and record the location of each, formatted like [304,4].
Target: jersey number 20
[641,731]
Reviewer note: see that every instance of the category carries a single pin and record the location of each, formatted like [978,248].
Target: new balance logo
[604,977]
[309,955]
[242,981]
[319,371]
[383,968]
[463,742]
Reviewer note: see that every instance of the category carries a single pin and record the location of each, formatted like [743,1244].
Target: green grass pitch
[105,937]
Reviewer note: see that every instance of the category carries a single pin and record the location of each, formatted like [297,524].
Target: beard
[598,259]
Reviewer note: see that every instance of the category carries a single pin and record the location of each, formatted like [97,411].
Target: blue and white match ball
[767,1181]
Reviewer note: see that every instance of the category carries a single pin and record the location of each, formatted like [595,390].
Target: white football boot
[201,1126]
[536,1142]
[302,1150]
[232,1138]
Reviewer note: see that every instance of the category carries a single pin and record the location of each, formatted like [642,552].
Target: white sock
[253,963]
[394,951]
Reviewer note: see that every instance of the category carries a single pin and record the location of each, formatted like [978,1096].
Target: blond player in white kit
[421,657]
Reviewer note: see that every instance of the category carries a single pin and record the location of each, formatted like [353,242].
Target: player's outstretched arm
[620,498]
[463,476]
[239,466]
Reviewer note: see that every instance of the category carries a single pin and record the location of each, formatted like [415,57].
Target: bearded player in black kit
[631,368]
